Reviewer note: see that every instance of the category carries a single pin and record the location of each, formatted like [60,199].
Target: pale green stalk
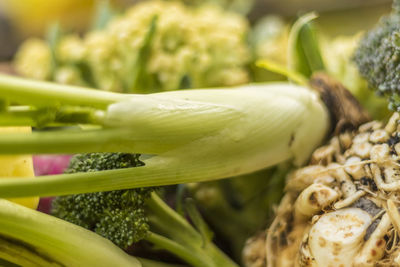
[180,238]
[24,91]
[177,249]
[49,116]
[32,238]
[197,135]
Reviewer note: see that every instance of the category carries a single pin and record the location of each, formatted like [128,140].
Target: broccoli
[116,215]
[126,216]
[378,57]
[239,200]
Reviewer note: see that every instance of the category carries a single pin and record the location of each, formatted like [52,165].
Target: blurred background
[24,18]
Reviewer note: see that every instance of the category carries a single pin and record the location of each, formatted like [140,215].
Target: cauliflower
[154,46]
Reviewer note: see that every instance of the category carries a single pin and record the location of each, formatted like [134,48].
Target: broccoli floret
[116,215]
[125,216]
[378,56]
[102,161]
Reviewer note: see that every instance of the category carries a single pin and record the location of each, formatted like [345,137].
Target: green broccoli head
[116,215]
[378,57]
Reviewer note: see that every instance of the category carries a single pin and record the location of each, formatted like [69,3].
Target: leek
[32,238]
[195,135]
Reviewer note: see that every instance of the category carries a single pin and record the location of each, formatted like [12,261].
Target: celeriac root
[342,210]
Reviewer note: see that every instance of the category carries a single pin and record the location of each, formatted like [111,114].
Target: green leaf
[87,74]
[139,80]
[304,55]
[53,37]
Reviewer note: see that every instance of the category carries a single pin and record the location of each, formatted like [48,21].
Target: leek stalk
[195,135]
[32,238]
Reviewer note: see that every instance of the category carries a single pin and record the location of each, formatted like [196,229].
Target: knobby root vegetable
[342,210]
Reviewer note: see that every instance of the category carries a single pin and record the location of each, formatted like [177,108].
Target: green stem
[77,183]
[152,263]
[218,258]
[180,251]
[180,231]
[57,241]
[158,171]
[21,254]
[75,140]
[28,116]
[75,115]
[18,118]
[171,223]
[65,141]
[24,91]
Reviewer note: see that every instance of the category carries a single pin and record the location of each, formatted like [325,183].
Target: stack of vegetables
[342,210]
[109,202]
